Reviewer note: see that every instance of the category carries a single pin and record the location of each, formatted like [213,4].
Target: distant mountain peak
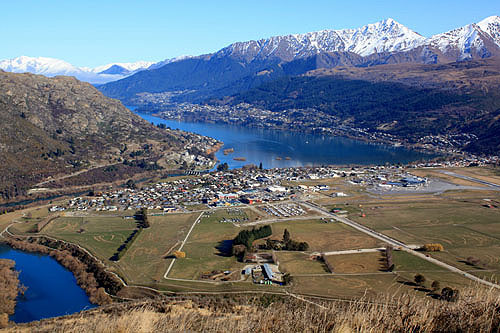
[491,26]
[40,65]
[490,20]
[53,67]
[383,36]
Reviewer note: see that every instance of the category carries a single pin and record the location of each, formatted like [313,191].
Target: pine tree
[286,236]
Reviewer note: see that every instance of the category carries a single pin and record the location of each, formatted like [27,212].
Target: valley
[335,180]
[347,233]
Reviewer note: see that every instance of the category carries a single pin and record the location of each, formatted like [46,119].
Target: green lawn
[356,263]
[299,263]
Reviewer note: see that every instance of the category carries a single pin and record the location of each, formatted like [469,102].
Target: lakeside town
[252,185]
[301,120]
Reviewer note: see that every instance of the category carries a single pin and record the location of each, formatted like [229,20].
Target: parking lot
[283,210]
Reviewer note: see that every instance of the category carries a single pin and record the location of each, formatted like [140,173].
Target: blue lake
[272,147]
[52,289]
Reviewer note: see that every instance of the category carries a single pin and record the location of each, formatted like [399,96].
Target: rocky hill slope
[60,125]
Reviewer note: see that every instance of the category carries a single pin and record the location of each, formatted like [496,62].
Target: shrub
[419,279]
[433,247]
[449,294]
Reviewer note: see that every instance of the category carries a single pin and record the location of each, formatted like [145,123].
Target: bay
[280,149]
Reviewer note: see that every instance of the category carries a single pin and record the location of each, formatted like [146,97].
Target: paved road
[472,179]
[355,225]
[281,219]
[331,253]
[182,245]
[399,244]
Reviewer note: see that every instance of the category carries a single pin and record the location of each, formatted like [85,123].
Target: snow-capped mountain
[40,65]
[491,26]
[126,67]
[476,40]
[244,65]
[384,36]
[387,36]
[168,61]
[53,67]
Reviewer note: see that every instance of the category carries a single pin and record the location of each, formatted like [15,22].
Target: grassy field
[358,275]
[370,285]
[458,220]
[145,260]
[29,215]
[201,250]
[407,266]
[356,263]
[100,235]
[299,263]
[323,236]
[489,174]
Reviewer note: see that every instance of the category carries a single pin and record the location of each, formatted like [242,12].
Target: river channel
[51,289]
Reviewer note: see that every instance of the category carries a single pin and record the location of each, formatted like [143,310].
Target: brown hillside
[60,125]
[473,75]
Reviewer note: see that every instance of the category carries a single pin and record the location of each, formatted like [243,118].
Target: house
[268,273]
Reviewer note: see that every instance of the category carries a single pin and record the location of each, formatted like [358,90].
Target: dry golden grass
[435,173]
[356,263]
[299,263]
[475,311]
[489,174]
[323,236]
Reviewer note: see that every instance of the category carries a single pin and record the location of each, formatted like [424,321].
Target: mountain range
[98,75]
[244,65]
[383,42]
[385,37]
[452,89]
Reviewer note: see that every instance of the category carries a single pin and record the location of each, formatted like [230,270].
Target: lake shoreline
[394,142]
[283,149]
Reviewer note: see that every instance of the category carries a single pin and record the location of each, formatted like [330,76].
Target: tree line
[286,243]
[247,237]
[9,290]
[141,216]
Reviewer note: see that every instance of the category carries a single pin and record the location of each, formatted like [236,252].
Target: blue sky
[91,33]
